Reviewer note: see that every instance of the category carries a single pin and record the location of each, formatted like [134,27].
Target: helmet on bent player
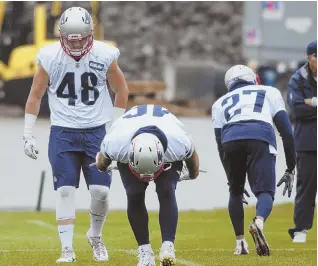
[240,73]
[146,157]
[76,32]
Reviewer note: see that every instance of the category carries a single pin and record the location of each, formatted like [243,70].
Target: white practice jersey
[252,102]
[116,143]
[77,92]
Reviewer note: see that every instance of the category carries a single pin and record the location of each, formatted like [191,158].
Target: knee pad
[99,192]
[99,200]
[65,205]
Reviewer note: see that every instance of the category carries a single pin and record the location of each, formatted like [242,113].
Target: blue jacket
[301,86]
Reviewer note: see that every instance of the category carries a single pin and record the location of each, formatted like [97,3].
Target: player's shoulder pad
[49,50]
[217,103]
[272,91]
[47,54]
[105,52]
[216,112]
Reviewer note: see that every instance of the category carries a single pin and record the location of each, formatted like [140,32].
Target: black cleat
[291,232]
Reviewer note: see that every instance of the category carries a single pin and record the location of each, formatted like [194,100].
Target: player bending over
[243,120]
[150,144]
[75,71]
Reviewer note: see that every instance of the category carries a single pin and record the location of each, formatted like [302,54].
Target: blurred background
[172,53]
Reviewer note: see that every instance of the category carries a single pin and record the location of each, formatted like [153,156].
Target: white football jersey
[77,92]
[116,143]
[252,102]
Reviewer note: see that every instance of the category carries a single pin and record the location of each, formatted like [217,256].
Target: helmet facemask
[76,32]
[146,177]
[75,45]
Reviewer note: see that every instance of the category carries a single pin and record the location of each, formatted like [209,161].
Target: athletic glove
[30,148]
[184,173]
[244,200]
[288,179]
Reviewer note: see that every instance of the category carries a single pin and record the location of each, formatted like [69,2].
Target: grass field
[203,238]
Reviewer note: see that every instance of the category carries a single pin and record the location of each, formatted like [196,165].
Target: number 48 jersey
[247,113]
[77,92]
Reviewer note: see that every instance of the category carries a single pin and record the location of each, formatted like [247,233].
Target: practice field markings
[52,227]
[42,224]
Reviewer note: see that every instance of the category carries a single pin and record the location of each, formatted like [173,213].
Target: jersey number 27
[69,81]
[258,105]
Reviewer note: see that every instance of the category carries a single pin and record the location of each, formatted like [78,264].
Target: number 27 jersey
[78,94]
[247,113]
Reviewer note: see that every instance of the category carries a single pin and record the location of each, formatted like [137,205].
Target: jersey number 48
[69,82]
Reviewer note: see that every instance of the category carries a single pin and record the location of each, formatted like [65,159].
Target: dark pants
[137,212]
[306,190]
[251,157]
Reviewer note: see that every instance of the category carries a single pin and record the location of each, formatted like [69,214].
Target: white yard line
[42,224]
[50,226]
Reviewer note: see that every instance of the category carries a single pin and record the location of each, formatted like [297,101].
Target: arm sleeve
[217,132]
[296,101]
[285,130]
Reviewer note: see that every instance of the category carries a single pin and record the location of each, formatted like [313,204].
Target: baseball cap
[312,48]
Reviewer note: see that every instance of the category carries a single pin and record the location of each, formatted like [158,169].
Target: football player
[74,71]
[150,144]
[243,120]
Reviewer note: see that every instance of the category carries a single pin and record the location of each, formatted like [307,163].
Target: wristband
[29,121]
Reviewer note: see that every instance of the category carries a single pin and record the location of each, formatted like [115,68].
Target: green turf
[203,238]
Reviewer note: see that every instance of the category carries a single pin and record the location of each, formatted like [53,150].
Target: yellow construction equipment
[17,75]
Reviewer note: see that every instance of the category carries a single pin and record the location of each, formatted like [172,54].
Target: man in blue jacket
[302,99]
